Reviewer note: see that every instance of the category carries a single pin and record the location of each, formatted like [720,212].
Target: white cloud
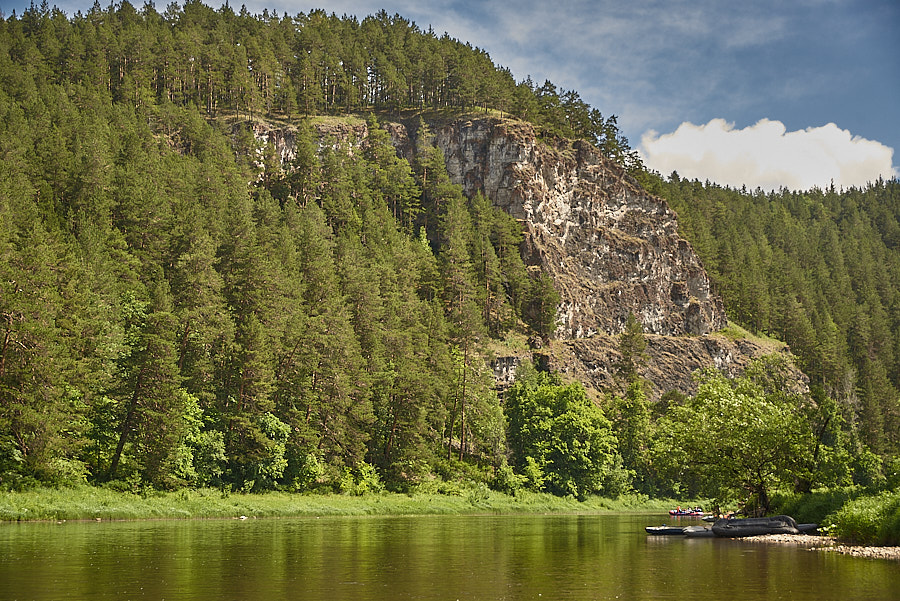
[767,156]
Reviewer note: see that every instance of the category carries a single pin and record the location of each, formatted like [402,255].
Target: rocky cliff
[610,247]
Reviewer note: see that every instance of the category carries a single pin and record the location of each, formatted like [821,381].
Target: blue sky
[761,92]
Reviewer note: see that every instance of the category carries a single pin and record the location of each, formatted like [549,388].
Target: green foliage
[631,413]
[271,468]
[507,481]
[761,442]
[632,347]
[163,323]
[873,520]
[361,480]
[309,64]
[818,269]
[892,472]
[630,417]
[541,302]
[560,441]
[813,507]
[10,464]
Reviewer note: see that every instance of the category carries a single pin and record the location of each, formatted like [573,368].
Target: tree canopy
[178,308]
[761,438]
[560,440]
[289,65]
[818,269]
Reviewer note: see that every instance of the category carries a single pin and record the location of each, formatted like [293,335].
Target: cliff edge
[610,247]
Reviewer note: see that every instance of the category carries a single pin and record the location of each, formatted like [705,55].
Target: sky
[762,93]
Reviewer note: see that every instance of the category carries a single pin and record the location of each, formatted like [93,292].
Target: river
[515,557]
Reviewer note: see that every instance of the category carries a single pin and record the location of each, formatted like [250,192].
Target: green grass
[91,503]
[733,331]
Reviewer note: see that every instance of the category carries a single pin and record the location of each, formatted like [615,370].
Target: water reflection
[485,557]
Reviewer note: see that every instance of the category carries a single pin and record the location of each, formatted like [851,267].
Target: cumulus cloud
[768,156]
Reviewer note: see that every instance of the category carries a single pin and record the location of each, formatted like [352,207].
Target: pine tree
[36,335]
[150,408]
[632,347]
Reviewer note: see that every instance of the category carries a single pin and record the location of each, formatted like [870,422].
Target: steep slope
[610,247]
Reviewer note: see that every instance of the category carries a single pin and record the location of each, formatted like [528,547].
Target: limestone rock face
[283,140]
[610,247]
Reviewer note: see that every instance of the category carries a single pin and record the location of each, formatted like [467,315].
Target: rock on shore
[827,543]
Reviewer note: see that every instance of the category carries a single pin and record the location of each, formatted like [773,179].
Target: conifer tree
[338,410]
[150,407]
[632,347]
[36,356]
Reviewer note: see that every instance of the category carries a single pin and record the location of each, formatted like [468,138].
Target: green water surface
[455,558]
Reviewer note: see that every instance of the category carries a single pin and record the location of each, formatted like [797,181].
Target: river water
[544,558]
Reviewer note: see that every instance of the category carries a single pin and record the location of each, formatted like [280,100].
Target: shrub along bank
[850,514]
[870,520]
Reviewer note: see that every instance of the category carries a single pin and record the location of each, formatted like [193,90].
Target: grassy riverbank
[90,503]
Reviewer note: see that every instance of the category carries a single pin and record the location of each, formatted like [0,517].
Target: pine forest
[177,309]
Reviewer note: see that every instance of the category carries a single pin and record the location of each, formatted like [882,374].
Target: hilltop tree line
[178,308]
[300,65]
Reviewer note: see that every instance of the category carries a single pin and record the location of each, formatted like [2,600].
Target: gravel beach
[827,543]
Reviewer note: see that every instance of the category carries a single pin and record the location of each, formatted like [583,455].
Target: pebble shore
[827,543]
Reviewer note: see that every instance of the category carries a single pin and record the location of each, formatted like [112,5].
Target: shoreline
[828,543]
[85,503]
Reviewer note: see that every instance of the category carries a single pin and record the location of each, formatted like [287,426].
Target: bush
[439,487]
[813,507]
[361,480]
[869,520]
[892,473]
[454,470]
[560,440]
[506,480]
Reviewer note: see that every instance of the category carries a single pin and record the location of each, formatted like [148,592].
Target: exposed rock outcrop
[283,140]
[670,364]
[670,361]
[610,247]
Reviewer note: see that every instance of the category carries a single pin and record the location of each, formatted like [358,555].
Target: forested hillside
[171,317]
[818,269]
[177,308]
